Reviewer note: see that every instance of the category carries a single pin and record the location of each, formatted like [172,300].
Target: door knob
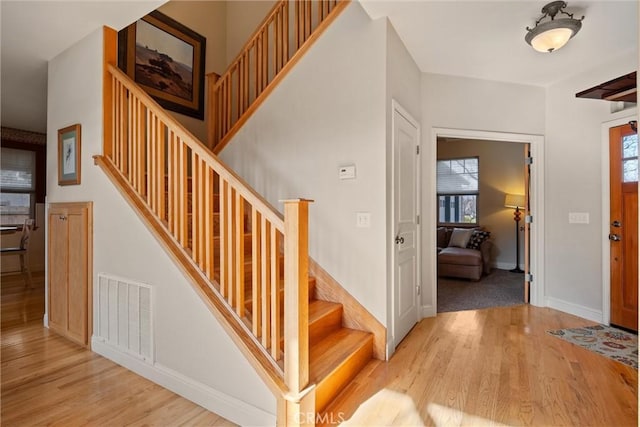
[399,240]
[614,237]
[616,224]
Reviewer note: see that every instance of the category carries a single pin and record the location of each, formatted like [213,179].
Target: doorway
[621,217]
[482,193]
[536,200]
[405,222]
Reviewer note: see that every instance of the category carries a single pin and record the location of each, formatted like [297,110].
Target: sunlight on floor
[390,408]
[386,408]
[464,321]
[444,416]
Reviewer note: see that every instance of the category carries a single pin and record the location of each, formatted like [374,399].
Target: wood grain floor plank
[492,367]
[485,367]
[48,380]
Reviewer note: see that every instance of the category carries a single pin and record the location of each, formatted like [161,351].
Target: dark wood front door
[623,228]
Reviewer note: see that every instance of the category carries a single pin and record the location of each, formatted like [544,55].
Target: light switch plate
[578,217]
[363,219]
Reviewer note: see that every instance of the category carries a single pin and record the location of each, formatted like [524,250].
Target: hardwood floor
[491,367]
[486,367]
[47,379]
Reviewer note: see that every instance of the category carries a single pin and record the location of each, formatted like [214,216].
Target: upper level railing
[210,218]
[288,30]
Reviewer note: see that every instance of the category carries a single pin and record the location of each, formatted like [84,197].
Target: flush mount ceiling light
[554,33]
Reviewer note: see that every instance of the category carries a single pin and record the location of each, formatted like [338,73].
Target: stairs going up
[336,354]
[228,240]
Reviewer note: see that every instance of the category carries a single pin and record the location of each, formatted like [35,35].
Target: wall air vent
[622,89]
[124,318]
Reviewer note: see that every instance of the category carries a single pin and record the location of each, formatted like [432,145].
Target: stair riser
[248,270]
[247,245]
[324,326]
[333,384]
[216,224]
[249,297]
[319,328]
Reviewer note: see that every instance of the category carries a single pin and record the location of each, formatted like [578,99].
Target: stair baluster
[249,264]
[270,53]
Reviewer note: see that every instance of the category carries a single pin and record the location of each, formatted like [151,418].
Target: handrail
[200,149]
[268,55]
[205,215]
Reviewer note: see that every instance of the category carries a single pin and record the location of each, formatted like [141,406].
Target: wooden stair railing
[176,183]
[271,52]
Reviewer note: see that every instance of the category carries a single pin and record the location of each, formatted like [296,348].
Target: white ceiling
[485,39]
[482,39]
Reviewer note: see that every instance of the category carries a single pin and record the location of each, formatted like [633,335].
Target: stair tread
[328,354]
[319,308]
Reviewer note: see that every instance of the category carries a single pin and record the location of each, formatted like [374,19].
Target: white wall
[403,79]
[329,112]
[501,172]
[573,174]
[207,18]
[227,26]
[243,18]
[470,104]
[191,347]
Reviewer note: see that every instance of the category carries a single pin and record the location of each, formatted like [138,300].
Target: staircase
[249,264]
[272,51]
[336,353]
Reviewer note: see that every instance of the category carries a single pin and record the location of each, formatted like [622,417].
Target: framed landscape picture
[167,60]
[69,155]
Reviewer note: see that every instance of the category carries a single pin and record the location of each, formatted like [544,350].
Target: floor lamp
[516,201]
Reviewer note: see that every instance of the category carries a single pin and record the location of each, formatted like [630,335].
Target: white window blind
[17,170]
[457,176]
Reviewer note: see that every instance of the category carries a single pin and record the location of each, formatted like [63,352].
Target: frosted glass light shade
[551,40]
[554,33]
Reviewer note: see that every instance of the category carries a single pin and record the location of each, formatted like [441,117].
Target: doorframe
[536,197]
[396,107]
[624,118]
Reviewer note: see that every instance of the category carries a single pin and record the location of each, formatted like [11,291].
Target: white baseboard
[505,265]
[575,309]
[427,311]
[209,398]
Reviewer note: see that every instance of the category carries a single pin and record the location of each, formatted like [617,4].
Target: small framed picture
[69,155]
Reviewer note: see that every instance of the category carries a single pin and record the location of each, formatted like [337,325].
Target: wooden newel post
[301,404]
[212,103]
[110,54]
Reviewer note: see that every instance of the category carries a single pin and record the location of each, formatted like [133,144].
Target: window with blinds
[17,185]
[458,190]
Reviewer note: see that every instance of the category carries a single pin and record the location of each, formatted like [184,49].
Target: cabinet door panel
[78,280]
[70,257]
[58,261]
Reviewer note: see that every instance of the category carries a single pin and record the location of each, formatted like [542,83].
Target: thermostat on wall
[347,172]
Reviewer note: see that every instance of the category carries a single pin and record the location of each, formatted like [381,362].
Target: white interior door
[405,222]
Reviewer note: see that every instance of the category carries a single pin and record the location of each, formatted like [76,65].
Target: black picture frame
[167,60]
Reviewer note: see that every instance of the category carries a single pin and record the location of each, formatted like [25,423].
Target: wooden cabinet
[70,227]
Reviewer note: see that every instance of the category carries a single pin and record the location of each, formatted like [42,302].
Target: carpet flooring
[497,289]
[605,340]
